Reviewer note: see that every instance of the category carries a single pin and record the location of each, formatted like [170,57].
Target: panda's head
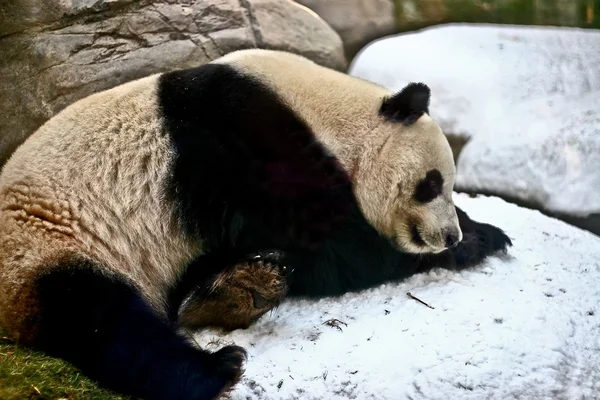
[405,181]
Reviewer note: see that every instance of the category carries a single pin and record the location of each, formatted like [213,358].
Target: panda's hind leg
[101,325]
[238,296]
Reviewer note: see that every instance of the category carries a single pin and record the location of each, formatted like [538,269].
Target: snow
[550,157]
[528,98]
[524,325]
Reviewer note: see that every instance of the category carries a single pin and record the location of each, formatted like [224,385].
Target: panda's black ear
[407,105]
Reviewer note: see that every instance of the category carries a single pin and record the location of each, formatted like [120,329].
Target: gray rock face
[57,51]
[357,21]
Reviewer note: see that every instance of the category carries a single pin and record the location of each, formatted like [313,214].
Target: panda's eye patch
[430,187]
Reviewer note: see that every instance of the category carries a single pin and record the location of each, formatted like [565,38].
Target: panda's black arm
[356,257]
[353,257]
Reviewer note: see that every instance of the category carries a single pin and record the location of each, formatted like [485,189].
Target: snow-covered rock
[549,155]
[529,99]
[524,326]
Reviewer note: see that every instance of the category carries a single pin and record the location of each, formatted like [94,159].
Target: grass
[581,13]
[29,375]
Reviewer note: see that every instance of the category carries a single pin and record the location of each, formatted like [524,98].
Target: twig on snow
[409,294]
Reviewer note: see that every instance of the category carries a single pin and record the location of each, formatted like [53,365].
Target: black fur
[408,105]
[242,152]
[102,326]
[357,257]
[429,187]
[479,241]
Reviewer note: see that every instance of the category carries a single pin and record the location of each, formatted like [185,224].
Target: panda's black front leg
[479,241]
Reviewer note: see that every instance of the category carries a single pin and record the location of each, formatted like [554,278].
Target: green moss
[519,12]
[27,374]
[593,7]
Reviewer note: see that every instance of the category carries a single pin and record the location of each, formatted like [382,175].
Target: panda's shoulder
[211,89]
[224,94]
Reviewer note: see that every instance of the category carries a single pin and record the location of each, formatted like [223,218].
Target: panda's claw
[285,271]
[273,257]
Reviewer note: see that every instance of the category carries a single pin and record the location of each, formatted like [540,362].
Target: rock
[55,52]
[546,155]
[286,25]
[526,98]
[20,15]
[357,21]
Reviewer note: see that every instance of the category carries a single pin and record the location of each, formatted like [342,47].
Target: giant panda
[111,206]
[402,222]
[394,229]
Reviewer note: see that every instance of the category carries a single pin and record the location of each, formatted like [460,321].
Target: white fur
[91,181]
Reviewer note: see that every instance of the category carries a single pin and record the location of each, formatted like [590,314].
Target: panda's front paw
[498,239]
[480,240]
[490,239]
[480,243]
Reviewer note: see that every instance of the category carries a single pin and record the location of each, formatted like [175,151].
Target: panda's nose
[451,238]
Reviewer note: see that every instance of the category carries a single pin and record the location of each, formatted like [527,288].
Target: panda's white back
[92,179]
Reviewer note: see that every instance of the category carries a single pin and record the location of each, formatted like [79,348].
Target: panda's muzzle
[451,237]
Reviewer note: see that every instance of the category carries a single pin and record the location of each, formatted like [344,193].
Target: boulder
[357,21]
[55,51]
